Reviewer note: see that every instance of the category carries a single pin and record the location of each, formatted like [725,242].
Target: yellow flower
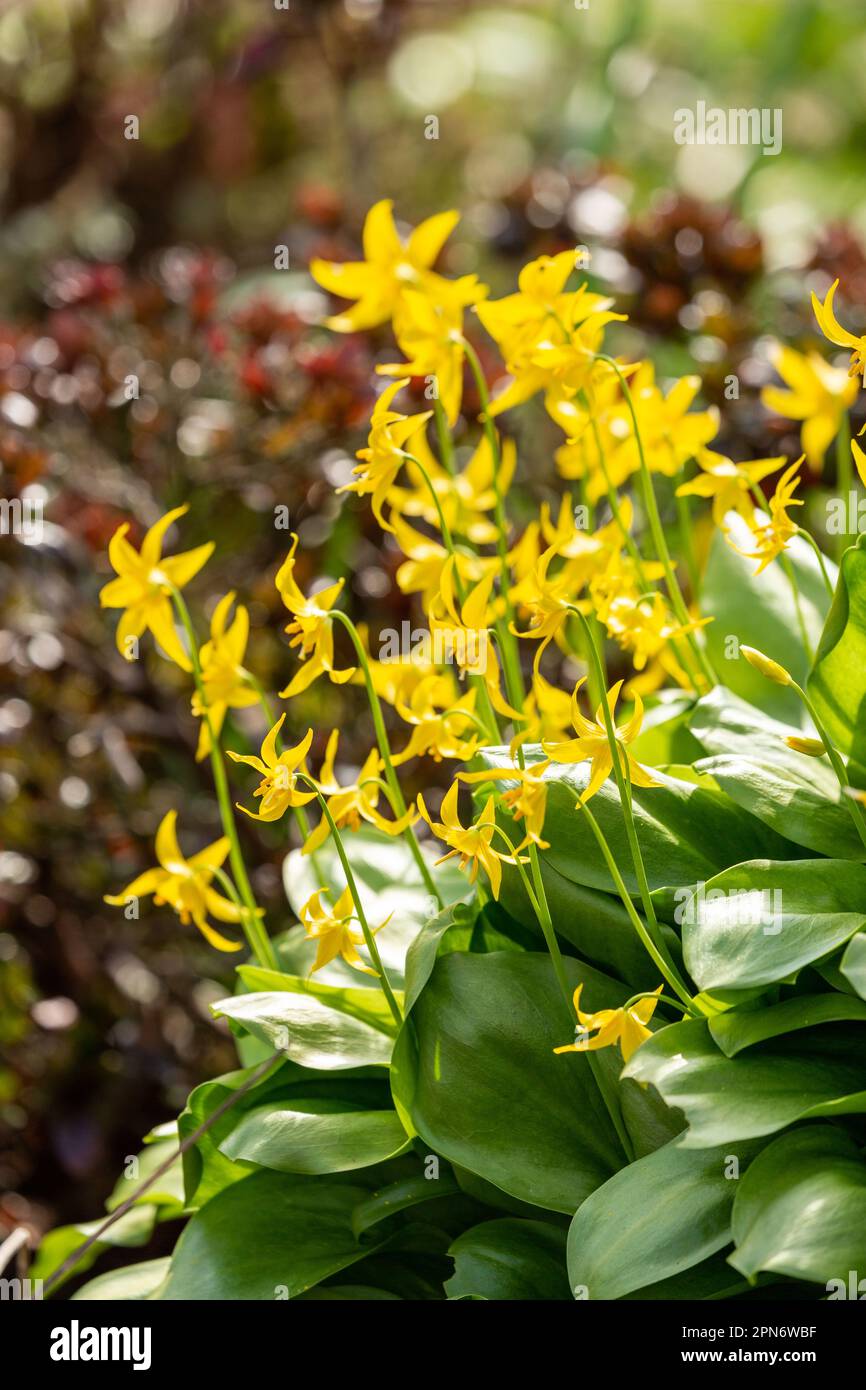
[429,329]
[473,844]
[548,338]
[312,629]
[354,802]
[185,884]
[644,626]
[465,498]
[385,454]
[527,801]
[772,537]
[767,666]
[421,571]
[548,714]
[670,433]
[390,267]
[548,601]
[819,396]
[225,680]
[330,927]
[835,333]
[144,584]
[437,733]
[729,484]
[626,1026]
[279,787]
[592,743]
[463,635]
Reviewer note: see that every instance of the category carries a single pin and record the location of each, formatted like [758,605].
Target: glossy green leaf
[657,1217]
[797,796]
[761,922]
[478,1077]
[314,1136]
[307,1030]
[130,1284]
[686,831]
[801,1208]
[134,1228]
[510,1259]
[271,1236]
[166,1192]
[758,610]
[837,684]
[368,1005]
[853,964]
[739,1028]
[820,1072]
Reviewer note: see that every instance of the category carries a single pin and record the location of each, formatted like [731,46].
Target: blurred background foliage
[263,126]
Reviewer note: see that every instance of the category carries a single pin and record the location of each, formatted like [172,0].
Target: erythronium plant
[635,961]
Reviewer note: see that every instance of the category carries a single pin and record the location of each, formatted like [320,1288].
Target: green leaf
[801,1208]
[761,922]
[307,1030]
[687,831]
[837,683]
[130,1284]
[659,1216]
[400,1196]
[759,611]
[389,883]
[314,1136]
[368,1005]
[166,1193]
[738,1028]
[853,964]
[271,1236]
[510,1259]
[478,1077]
[134,1228]
[797,796]
[759,1092]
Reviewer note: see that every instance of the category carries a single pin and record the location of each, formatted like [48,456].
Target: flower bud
[767,667]
[812,747]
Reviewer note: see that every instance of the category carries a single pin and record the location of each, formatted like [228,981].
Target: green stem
[656,528]
[443,433]
[260,943]
[838,765]
[760,501]
[369,938]
[385,751]
[631,547]
[624,789]
[810,539]
[844,475]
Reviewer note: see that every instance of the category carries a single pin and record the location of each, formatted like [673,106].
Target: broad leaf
[820,1072]
[484,1088]
[272,1236]
[761,922]
[837,683]
[657,1217]
[740,1028]
[314,1136]
[130,1284]
[758,610]
[510,1259]
[801,1208]
[307,1030]
[853,964]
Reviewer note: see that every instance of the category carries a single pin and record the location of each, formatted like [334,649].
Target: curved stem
[838,765]
[369,938]
[656,528]
[810,539]
[260,943]
[385,751]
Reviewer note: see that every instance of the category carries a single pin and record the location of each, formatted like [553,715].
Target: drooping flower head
[279,788]
[185,884]
[311,629]
[225,680]
[474,844]
[818,394]
[350,803]
[835,333]
[626,1026]
[331,927]
[592,743]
